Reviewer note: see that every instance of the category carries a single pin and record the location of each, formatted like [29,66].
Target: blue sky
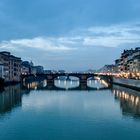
[69,34]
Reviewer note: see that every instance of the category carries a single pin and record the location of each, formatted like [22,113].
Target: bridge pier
[83,82]
[50,81]
[50,84]
[108,79]
[83,85]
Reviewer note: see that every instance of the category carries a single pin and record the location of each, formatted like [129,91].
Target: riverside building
[1,70]
[11,67]
[129,63]
[29,68]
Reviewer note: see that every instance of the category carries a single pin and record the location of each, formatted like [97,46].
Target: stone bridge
[50,77]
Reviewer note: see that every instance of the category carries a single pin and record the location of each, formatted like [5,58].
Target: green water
[112,114]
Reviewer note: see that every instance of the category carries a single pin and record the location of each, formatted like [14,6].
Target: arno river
[33,113]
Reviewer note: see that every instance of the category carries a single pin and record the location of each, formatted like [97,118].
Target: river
[32,113]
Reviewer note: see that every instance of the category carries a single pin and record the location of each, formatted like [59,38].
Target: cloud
[41,43]
[110,36]
[107,36]
[79,49]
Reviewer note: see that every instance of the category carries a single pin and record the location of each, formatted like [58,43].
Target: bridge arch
[66,84]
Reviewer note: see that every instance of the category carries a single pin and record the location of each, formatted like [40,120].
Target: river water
[32,113]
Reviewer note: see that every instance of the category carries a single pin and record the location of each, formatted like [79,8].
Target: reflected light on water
[44,83]
[66,84]
[129,100]
[69,115]
[103,82]
[97,83]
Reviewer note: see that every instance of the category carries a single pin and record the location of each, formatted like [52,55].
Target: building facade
[38,70]
[29,68]
[11,66]
[129,63]
[108,69]
[1,70]
[26,67]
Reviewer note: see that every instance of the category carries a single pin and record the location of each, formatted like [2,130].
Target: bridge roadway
[52,76]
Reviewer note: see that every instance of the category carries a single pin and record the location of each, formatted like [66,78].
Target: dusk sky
[69,34]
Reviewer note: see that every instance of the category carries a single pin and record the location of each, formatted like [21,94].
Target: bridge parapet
[52,76]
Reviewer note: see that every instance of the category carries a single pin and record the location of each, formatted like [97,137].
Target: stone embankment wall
[130,83]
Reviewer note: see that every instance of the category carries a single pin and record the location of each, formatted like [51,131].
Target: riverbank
[1,82]
[129,83]
[7,83]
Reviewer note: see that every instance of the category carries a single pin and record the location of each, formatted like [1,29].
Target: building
[48,71]
[136,60]
[61,71]
[108,69]
[29,68]
[1,70]
[129,61]
[26,67]
[38,69]
[11,66]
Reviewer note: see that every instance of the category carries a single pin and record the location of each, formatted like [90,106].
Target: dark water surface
[112,114]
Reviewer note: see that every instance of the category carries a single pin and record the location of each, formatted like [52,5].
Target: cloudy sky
[69,34]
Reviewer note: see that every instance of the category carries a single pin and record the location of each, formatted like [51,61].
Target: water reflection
[97,83]
[67,84]
[10,98]
[35,84]
[129,100]
[68,114]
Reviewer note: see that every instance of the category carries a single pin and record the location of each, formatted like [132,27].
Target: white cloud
[109,36]
[42,43]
